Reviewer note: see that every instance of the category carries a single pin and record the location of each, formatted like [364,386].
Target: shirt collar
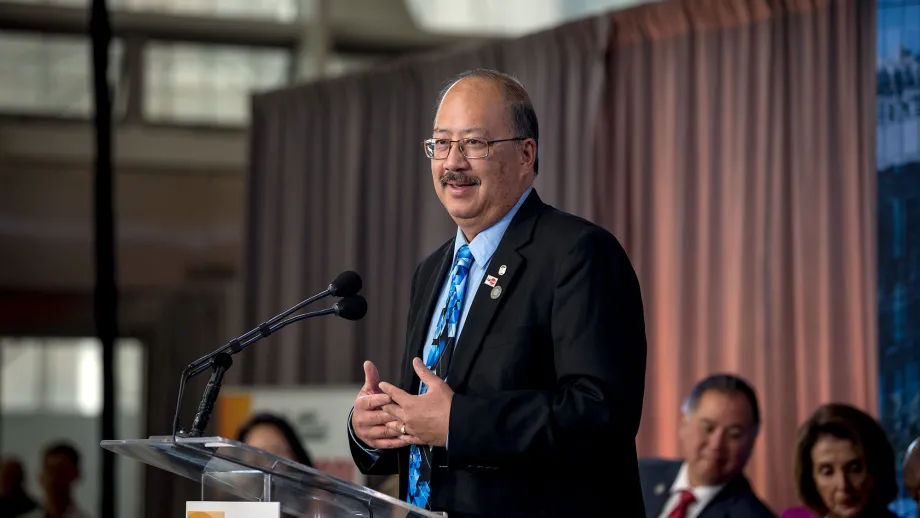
[486,242]
[703,494]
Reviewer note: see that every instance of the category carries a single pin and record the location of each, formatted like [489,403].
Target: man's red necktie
[686,498]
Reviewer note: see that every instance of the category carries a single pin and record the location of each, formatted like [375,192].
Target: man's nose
[455,160]
[716,440]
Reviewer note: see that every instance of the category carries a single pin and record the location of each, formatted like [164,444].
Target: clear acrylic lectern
[251,474]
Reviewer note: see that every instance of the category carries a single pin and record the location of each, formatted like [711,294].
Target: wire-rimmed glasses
[439,148]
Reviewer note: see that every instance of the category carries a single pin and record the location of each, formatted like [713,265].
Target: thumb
[371,377]
[424,373]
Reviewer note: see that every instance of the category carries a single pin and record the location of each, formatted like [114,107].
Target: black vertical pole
[106,296]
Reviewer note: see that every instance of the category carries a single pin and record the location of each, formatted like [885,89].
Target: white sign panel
[232,510]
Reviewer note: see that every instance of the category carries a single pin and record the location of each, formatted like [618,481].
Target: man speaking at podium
[525,357]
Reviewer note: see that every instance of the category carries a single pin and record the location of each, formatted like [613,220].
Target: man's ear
[528,152]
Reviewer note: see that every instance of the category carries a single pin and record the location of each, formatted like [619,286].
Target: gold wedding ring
[403,429]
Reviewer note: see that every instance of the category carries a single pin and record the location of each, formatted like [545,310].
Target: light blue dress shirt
[483,248]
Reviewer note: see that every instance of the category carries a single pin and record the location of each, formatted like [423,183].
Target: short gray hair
[521,114]
[727,384]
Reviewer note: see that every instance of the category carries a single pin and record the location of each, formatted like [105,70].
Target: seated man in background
[721,418]
[60,472]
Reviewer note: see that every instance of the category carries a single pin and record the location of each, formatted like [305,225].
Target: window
[49,74]
[64,375]
[280,10]
[208,84]
[52,391]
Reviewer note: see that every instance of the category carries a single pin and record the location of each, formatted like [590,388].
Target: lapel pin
[659,489]
[496,292]
[502,269]
[490,281]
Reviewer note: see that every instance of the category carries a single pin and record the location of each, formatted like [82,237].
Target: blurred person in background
[720,422]
[274,434]
[14,500]
[844,465]
[60,473]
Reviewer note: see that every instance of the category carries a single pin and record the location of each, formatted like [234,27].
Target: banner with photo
[898,165]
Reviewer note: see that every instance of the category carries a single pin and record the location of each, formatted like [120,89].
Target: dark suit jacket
[548,377]
[735,500]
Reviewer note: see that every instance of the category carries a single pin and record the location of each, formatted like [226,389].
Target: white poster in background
[319,414]
[232,510]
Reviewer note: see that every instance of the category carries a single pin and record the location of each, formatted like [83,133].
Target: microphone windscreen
[347,283]
[353,307]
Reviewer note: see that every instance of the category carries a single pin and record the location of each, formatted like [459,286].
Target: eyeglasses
[439,148]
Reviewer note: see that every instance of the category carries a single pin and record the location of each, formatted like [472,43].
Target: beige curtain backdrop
[728,144]
[736,162]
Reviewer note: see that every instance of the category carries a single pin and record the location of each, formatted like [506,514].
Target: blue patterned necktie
[438,362]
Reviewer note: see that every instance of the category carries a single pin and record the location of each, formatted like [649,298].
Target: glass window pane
[49,74]
[21,376]
[130,381]
[64,375]
[52,390]
[68,367]
[279,10]
[208,84]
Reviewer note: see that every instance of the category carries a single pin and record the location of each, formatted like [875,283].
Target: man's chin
[711,477]
[464,215]
[461,209]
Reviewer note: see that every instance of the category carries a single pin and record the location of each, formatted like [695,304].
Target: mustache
[455,177]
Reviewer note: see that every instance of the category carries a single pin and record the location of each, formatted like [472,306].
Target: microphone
[349,308]
[346,283]
[352,307]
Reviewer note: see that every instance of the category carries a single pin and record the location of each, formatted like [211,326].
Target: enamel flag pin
[490,281]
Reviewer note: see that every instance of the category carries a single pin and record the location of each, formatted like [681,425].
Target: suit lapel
[422,320]
[488,300]
[662,489]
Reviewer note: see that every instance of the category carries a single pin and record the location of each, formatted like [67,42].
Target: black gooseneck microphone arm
[234,346]
[352,307]
[347,283]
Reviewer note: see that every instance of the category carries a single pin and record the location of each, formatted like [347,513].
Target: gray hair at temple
[726,384]
[521,115]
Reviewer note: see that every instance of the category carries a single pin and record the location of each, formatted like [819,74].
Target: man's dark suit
[736,499]
[548,377]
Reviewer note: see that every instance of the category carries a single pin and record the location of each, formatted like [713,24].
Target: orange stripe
[205,514]
[232,411]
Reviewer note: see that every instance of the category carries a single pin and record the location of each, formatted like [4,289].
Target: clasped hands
[387,417]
